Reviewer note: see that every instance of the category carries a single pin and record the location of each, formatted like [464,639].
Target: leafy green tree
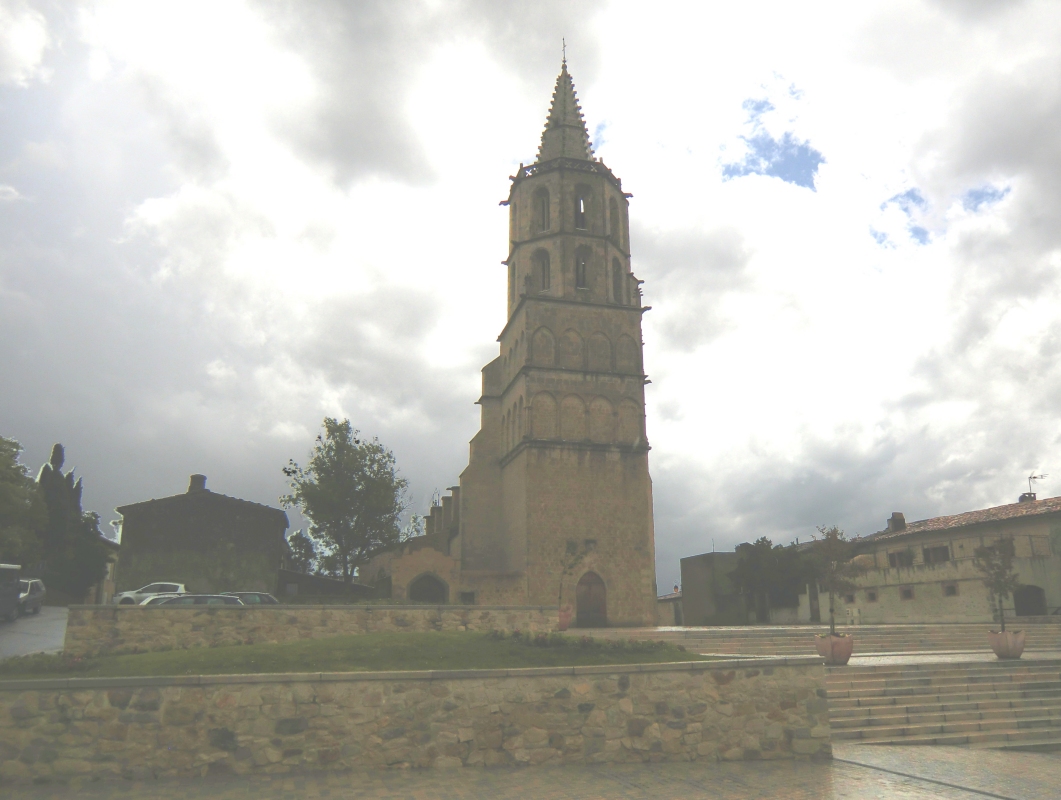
[22,512]
[829,559]
[755,574]
[303,553]
[995,563]
[352,496]
[74,553]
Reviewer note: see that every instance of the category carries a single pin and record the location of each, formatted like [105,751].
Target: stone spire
[565,133]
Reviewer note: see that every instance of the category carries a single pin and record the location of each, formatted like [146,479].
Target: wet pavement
[904,773]
[34,633]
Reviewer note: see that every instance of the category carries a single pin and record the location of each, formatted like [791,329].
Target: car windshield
[23,586]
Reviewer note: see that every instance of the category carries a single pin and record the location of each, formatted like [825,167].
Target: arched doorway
[428,588]
[591,602]
[1029,601]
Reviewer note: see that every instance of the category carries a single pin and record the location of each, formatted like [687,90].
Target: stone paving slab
[1015,776]
[986,773]
[945,657]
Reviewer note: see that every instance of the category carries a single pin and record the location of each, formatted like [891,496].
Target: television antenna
[1034,477]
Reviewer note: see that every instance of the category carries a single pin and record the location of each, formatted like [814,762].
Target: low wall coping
[315,607]
[75,684]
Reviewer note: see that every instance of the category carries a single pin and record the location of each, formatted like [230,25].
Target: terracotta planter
[1007,644]
[835,649]
[566,615]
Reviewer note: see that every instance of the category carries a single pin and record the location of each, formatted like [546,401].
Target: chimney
[1027,497]
[197,483]
[896,522]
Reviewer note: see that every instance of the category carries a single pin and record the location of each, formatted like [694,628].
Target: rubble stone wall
[98,630]
[169,727]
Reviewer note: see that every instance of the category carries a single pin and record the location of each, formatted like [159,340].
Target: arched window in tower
[614,226]
[581,280]
[581,193]
[512,281]
[541,270]
[541,211]
[617,281]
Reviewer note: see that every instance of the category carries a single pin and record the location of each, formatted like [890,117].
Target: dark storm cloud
[128,343]
[365,54]
[689,272]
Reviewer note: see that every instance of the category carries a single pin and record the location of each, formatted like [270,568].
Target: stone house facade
[210,542]
[923,571]
[556,501]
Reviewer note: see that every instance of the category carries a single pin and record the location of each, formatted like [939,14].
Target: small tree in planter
[833,569]
[995,563]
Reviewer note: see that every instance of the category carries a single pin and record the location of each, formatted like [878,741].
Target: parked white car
[139,595]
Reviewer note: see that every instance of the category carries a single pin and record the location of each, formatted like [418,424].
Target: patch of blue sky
[786,158]
[973,199]
[907,201]
[756,108]
[918,234]
[598,135]
[879,237]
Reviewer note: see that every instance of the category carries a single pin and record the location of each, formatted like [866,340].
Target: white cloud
[249,215]
[23,41]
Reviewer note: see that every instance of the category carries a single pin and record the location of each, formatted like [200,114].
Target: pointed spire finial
[563,43]
[565,134]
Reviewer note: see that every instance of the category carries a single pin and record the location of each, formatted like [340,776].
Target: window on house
[580,213]
[950,590]
[906,593]
[541,270]
[903,558]
[937,555]
[541,211]
[849,598]
[871,596]
[580,271]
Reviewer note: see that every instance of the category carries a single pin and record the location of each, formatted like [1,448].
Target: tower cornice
[540,298]
[574,164]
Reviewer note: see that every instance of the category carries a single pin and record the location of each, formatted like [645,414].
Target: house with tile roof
[923,571]
[208,541]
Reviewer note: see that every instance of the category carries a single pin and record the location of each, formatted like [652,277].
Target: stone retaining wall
[169,727]
[95,630]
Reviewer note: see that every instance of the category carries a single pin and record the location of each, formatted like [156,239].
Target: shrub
[44,663]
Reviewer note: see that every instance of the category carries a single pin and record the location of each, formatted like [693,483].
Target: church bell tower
[556,502]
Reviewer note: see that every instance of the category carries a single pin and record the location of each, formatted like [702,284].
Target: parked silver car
[30,595]
[139,595]
[202,600]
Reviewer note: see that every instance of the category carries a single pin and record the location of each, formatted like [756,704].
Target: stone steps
[868,639]
[981,704]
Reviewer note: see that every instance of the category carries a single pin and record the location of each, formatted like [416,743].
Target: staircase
[799,640]
[999,705]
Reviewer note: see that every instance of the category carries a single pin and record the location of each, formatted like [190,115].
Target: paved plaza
[858,771]
[36,633]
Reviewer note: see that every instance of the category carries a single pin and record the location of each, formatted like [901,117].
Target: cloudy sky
[221,221]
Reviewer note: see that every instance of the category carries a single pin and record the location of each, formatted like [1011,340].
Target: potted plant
[995,563]
[835,572]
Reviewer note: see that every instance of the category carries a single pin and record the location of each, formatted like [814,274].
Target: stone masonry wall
[95,630]
[196,725]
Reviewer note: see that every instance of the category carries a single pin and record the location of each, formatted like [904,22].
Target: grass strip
[371,652]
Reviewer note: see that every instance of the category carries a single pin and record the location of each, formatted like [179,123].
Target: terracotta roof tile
[1032,508]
